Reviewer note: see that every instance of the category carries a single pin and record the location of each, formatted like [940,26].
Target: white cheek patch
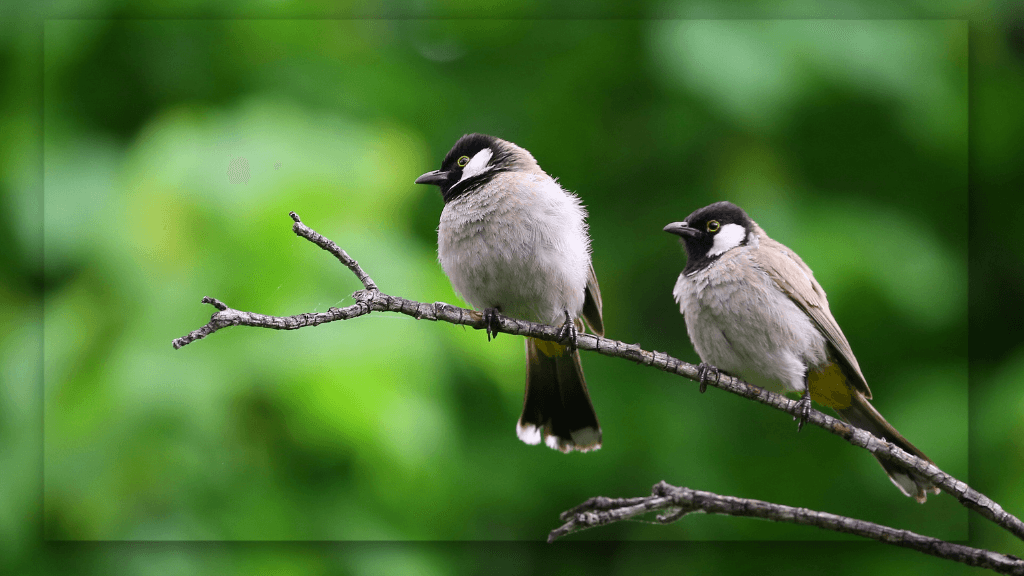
[477,165]
[727,238]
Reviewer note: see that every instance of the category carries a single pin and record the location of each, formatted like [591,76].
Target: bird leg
[704,372]
[568,332]
[492,322]
[805,408]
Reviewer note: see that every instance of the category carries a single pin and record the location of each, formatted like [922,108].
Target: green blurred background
[148,163]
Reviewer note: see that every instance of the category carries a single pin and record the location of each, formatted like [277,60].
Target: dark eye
[463,160]
[713,226]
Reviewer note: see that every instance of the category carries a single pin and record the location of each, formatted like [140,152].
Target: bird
[514,243]
[753,310]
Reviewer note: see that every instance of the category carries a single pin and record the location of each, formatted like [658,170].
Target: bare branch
[680,501]
[371,299]
[327,244]
[230,317]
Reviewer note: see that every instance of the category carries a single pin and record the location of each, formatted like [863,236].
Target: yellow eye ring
[713,226]
[463,160]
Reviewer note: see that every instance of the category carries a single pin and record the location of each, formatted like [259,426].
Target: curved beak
[681,229]
[436,178]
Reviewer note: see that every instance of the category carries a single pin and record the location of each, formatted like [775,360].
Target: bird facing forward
[513,242]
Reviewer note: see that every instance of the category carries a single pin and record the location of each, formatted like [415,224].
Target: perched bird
[513,242]
[754,310]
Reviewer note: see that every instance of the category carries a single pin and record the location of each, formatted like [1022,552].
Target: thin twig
[371,299]
[329,245]
[680,501]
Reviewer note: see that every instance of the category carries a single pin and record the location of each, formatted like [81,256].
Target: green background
[854,142]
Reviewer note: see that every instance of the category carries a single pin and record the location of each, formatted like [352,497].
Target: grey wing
[795,278]
[592,304]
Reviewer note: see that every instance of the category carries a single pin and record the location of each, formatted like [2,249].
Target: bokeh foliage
[846,140]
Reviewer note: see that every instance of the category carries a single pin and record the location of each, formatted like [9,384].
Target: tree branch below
[680,501]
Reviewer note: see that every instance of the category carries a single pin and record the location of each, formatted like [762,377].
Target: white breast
[739,321]
[519,243]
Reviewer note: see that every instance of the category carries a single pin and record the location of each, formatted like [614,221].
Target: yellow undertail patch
[549,349]
[829,387]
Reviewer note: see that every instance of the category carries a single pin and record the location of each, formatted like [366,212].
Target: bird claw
[804,404]
[492,321]
[703,375]
[568,333]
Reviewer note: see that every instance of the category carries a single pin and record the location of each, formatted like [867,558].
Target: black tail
[863,415]
[557,406]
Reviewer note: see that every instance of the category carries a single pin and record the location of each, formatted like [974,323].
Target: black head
[474,160]
[710,232]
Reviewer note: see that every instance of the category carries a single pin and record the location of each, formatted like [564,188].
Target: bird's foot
[492,321]
[804,404]
[568,334]
[704,372]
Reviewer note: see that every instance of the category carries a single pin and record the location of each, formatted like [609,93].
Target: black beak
[437,177]
[681,229]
